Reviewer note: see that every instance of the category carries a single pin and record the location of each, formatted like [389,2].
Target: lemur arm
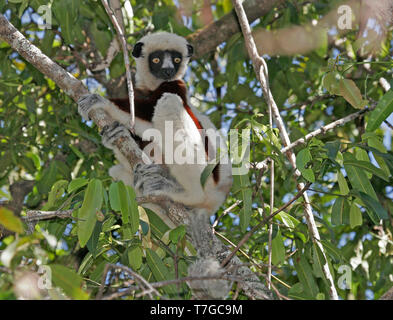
[95,101]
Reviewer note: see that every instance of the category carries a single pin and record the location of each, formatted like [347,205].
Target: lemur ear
[137,50]
[190,49]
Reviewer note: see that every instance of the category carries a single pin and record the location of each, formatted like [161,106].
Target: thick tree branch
[208,38]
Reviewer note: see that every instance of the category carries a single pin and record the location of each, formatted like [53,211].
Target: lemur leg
[147,179]
[154,179]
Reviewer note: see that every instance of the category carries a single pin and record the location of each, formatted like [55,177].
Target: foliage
[42,138]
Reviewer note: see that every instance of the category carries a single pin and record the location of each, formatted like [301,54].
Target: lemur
[161,99]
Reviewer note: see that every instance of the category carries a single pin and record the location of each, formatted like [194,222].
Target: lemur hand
[112,132]
[88,102]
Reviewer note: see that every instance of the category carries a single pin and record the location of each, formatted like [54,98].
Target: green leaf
[134,213]
[355,216]
[342,183]
[287,220]
[69,281]
[102,40]
[10,221]
[242,185]
[318,262]
[177,234]
[351,93]
[372,204]
[114,198]
[92,244]
[158,227]
[331,82]
[340,211]
[92,203]
[305,275]
[368,167]
[302,159]
[376,143]
[381,112]
[332,149]
[296,292]
[23,7]
[56,192]
[66,13]
[278,249]
[358,177]
[134,255]
[48,178]
[35,158]
[206,173]
[332,251]
[76,184]
[159,270]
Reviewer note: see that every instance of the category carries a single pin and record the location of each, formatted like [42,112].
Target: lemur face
[160,57]
[165,64]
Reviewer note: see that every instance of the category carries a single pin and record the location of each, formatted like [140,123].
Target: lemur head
[160,57]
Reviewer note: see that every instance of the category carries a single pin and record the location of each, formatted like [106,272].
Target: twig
[388,124]
[315,133]
[37,215]
[226,211]
[270,224]
[138,278]
[122,40]
[152,286]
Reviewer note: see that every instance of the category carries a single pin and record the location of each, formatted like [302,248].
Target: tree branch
[208,38]
[315,133]
[118,24]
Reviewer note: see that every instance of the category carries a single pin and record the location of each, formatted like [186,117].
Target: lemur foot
[87,102]
[112,132]
[154,180]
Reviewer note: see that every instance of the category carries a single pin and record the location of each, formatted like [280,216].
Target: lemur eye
[156,60]
[177,60]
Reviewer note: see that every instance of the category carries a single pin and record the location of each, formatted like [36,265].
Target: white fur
[170,109]
[167,63]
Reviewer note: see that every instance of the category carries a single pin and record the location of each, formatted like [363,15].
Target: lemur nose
[169,72]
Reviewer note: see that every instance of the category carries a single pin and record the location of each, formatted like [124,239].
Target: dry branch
[116,18]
